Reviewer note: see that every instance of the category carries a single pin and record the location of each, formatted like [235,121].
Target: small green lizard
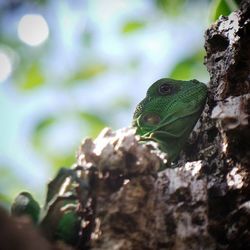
[169,112]
[167,115]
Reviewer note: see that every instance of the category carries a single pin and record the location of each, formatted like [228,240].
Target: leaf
[45,123]
[190,67]
[222,7]
[133,26]
[121,103]
[33,77]
[94,125]
[60,160]
[5,200]
[95,122]
[88,72]
[170,7]
[40,128]
[55,157]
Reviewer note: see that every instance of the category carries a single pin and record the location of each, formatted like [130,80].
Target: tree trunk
[204,203]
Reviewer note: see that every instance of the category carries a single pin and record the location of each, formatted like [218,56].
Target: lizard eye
[151,119]
[165,89]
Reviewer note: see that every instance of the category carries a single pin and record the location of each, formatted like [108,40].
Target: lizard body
[169,112]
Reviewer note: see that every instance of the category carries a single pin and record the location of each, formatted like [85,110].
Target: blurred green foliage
[190,67]
[95,122]
[171,7]
[33,77]
[39,130]
[222,8]
[87,72]
[90,121]
[9,180]
[5,200]
[133,26]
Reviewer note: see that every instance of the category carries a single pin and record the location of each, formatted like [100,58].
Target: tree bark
[204,203]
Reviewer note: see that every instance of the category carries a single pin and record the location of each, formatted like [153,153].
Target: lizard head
[169,112]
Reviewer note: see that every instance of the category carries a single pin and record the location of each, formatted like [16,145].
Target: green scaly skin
[169,112]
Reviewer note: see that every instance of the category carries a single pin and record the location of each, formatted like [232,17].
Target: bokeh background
[69,68]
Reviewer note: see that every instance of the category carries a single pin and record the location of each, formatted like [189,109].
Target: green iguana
[169,112]
[167,115]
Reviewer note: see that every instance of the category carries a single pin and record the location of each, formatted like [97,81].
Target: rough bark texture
[137,208]
[205,203]
[228,62]
[124,193]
